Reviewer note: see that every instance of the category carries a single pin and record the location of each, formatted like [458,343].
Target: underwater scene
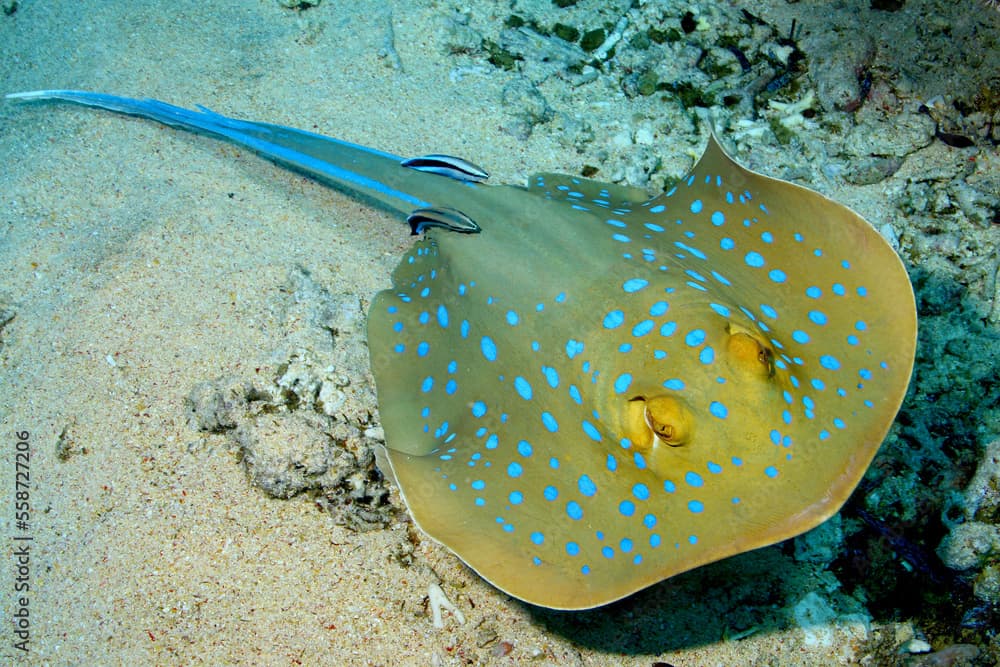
[534,332]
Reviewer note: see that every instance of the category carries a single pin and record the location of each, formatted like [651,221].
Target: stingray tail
[382,177]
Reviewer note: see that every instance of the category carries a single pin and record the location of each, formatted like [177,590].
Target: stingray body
[598,390]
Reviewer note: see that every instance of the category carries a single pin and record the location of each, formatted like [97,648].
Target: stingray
[586,391]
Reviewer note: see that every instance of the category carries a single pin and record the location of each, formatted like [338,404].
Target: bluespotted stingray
[586,391]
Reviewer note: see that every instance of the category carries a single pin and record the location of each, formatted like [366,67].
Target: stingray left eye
[664,420]
[670,420]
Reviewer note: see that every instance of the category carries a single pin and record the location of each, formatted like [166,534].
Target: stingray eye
[749,354]
[670,420]
[765,357]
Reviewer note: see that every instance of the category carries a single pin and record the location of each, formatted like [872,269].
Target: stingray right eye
[749,354]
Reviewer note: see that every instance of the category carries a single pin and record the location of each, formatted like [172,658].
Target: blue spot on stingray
[551,376]
[668,329]
[586,486]
[674,384]
[607,552]
[550,493]
[817,317]
[696,506]
[572,548]
[769,311]
[591,431]
[718,410]
[422,349]
[614,319]
[721,278]
[427,384]
[537,538]
[464,328]
[626,508]
[754,259]
[574,393]
[829,362]
[696,206]
[695,337]
[574,510]
[658,308]
[442,316]
[771,471]
[623,382]
[573,348]
[727,243]
[634,285]
[489,348]
[721,310]
[777,275]
[514,469]
[512,318]
[516,497]
[693,478]
[478,409]
[640,491]
[451,387]
[643,328]
[550,422]
[814,292]
[523,388]
[524,448]
[611,463]
[707,355]
[800,336]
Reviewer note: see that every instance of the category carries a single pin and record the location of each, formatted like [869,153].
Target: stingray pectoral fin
[559,186]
